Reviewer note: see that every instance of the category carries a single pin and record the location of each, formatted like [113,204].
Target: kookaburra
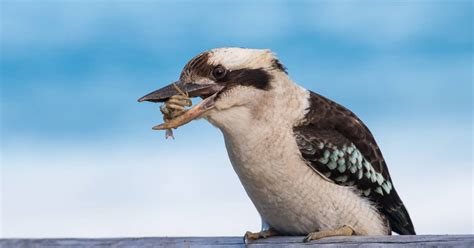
[310,166]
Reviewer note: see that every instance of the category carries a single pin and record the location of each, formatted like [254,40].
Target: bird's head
[226,79]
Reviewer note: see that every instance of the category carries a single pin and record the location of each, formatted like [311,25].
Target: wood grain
[231,242]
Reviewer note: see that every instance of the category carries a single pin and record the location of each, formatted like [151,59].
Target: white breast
[289,195]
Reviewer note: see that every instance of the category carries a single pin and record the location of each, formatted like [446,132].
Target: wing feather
[336,143]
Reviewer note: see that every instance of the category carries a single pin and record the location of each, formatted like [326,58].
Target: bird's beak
[207,91]
[192,89]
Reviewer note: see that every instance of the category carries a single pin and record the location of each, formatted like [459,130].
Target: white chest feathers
[289,195]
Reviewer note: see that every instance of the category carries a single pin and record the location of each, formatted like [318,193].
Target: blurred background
[79,158]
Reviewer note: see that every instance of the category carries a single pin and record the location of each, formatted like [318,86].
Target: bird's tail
[399,219]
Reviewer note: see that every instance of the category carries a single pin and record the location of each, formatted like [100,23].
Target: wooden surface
[357,241]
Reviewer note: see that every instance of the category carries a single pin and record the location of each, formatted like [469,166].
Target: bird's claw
[259,235]
[251,236]
[343,231]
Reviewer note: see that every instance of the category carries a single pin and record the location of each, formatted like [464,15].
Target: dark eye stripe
[258,78]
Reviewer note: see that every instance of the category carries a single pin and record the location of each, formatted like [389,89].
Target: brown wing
[336,143]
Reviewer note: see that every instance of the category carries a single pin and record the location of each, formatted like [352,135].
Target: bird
[309,165]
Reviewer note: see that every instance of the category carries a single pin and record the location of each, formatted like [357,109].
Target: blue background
[79,157]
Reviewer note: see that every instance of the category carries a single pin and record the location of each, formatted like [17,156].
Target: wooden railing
[230,242]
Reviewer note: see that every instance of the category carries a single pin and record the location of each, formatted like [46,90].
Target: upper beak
[192,89]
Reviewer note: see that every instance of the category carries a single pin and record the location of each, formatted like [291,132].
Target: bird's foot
[259,235]
[343,231]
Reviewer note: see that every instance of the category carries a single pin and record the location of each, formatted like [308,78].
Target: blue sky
[79,157]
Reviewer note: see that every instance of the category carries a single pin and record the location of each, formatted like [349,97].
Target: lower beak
[206,91]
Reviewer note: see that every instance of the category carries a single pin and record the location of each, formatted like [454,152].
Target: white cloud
[129,190]
[104,194]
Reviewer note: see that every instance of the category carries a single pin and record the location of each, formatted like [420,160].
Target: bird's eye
[219,72]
